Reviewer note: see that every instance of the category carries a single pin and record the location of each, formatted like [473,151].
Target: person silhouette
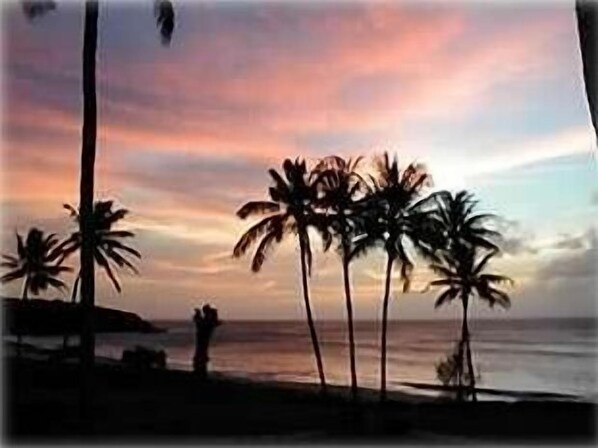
[205,324]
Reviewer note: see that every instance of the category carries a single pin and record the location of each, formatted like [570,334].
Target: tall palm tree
[340,187]
[400,220]
[38,262]
[165,18]
[464,231]
[290,210]
[462,274]
[110,251]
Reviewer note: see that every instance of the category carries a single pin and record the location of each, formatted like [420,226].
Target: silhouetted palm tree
[289,211]
[464,232]
[38,262]
[165,20]
[340,186]
[109,246]
[462,273]
[400,221]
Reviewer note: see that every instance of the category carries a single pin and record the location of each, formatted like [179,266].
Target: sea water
[534,355]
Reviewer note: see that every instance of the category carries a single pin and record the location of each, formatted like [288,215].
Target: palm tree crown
[340,188]
[397,217]
[290,210]
[461,225]
[463,273]
[109,248]
[37,260]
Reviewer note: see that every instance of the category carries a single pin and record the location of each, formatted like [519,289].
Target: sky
[488,95]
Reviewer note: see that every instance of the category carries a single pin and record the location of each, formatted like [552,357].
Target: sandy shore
[172,406]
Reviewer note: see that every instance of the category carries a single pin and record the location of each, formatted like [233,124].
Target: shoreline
[172,405]
[413,393]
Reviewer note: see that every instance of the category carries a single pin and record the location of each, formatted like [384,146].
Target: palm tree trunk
[88,154]
[587,27]
[310,320]
[471,370]
[385,301]
[350,325]
[19,318]
[65,340]
[466,348]
[460,394]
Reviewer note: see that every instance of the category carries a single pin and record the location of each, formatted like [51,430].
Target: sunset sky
[489,96]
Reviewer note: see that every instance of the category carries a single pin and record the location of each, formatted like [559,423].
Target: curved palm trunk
[88,154]
[350,325]
[385,301]
[310,320]
[587,27]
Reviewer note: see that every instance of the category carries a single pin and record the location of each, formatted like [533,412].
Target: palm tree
[290,210]
[340,186]
[461,229]
[38,262]
[397,218]
[462,274]
[165,21]
[109,246]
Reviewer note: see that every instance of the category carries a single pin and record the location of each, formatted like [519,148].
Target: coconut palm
[38,262]
[289,211]
[463,275]
[460,223]
[110,251]
[400,220]
[165,20]
[463,228]
[340,188]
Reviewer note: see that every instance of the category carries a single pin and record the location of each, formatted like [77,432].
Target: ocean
[532,355]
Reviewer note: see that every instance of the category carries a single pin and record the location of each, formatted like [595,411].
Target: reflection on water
[531,355]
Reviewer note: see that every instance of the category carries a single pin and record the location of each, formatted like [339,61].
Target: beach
[171,406]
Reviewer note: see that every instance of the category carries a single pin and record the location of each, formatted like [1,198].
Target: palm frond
[494,296]
[56,283]
[121,261]
[104,263]
[115,234]
[262,250]
[114,244]
[483,262]
[446,296]
[13,275]
[443,271]
[165,19]
[73,212]
[252,235]
[257,207]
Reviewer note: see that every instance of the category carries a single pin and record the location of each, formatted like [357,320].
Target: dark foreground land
[171,406]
